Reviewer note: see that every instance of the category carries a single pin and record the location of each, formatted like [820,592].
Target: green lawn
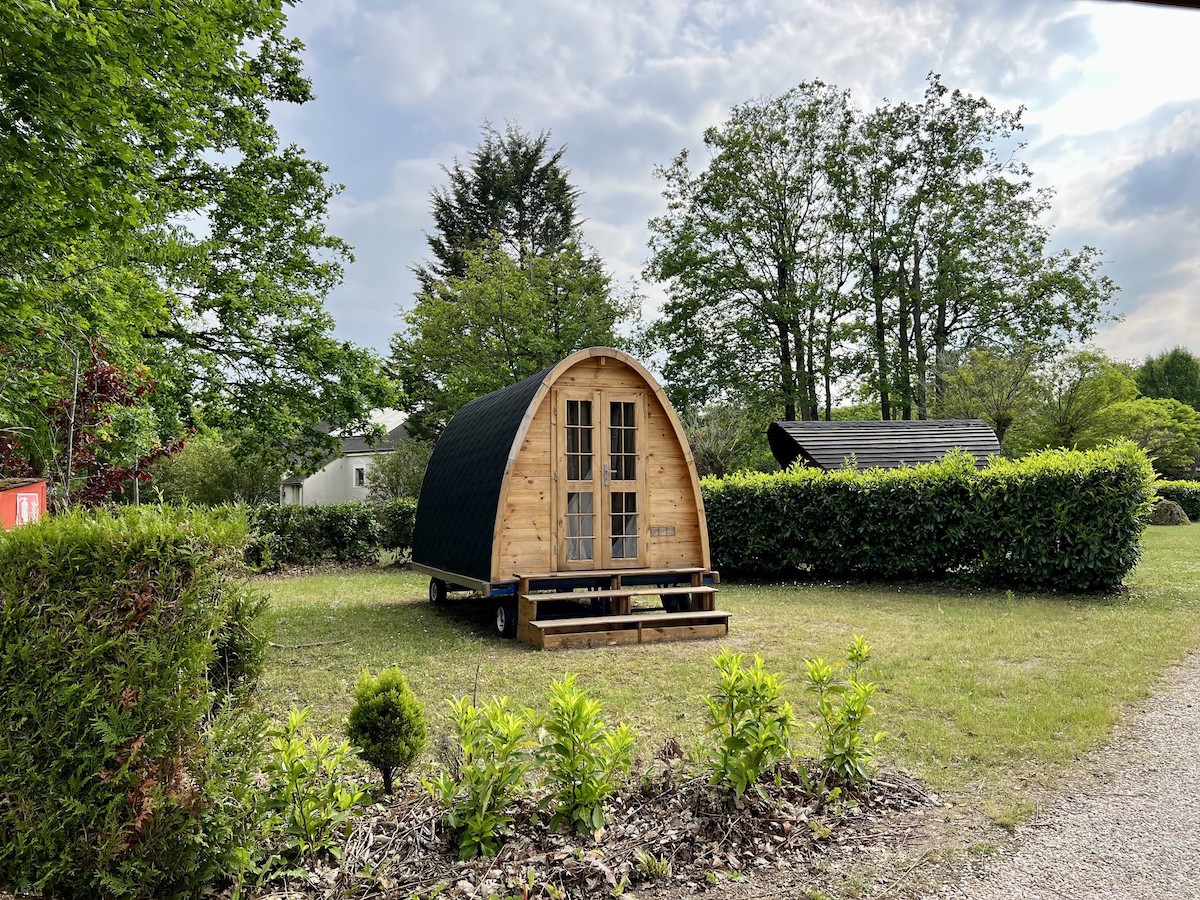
[979,691]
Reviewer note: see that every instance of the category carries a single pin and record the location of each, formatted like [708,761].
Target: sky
[1111,92]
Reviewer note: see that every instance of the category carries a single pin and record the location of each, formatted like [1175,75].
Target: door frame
[601,486]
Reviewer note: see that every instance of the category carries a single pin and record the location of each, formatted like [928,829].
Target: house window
[360,476]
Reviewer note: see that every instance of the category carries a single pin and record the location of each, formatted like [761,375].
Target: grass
[979,690]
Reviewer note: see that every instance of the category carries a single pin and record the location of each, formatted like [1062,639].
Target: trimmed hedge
[1058,520]
[334,532]
[1185,493]
[126,750]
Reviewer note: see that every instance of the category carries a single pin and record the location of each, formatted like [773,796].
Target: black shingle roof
[456,512]
[887,445]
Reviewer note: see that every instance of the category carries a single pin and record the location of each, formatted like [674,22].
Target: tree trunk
[922,350]
[905,368]
[881,359]
[787,377]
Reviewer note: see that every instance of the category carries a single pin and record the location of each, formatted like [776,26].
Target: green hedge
[335,532]
[1059,520]
[126,750]
[1185,493]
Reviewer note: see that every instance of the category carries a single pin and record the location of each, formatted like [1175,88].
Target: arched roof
[456,513]
[464,482]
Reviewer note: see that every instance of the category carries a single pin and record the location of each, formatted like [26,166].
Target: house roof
[456,512]
[883,444]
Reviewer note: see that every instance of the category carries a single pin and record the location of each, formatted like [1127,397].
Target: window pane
[586,474]
[585,548]
[585,440]
[630,548]
[585,500]
[585,413]
[572,412]
[572,503]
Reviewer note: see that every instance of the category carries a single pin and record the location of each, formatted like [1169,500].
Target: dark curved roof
[883,444]
[456,512]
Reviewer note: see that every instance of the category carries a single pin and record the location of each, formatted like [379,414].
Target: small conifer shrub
[387,723]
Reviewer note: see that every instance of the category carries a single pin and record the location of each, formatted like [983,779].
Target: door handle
[606,474]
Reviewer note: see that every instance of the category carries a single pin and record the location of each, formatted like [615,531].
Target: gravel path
[1129,825]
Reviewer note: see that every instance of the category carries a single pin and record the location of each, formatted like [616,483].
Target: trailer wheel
[437,590]
[506,619]
[677,603]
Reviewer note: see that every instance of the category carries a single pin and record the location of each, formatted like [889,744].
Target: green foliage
[309,798]
[1076,390]
[334,532]
[211,470]
[1000,388]
[1185,493]
[386,723]
[819,242]
[846,752]
[1057,520]
[752,722]
[156,216]
[726,438]
[1169,431]
[397,475]
[494,753]
[126,650]
[504,320]
[584,759]
[1173,374]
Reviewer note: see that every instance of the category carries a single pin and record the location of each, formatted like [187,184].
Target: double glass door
[600,497]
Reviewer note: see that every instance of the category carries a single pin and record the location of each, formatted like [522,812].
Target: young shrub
[310,799]
[494,754]
[127,648]
[386,723]
[846,752]
[752,721]
[584,759]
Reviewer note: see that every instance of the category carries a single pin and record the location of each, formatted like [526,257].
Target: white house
[344,477]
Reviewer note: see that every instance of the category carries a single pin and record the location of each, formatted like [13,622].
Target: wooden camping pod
[576,483]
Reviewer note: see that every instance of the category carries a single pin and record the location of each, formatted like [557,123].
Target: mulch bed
[665,819]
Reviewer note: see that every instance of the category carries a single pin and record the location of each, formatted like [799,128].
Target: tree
[398,474]
[514,188]
[1000,388]
[746,249]
[1174,374]
[152,212]
[500,323]
[214,468]
[1077,390]
[727,438]
[1169,431]
[92,443]
[819,244]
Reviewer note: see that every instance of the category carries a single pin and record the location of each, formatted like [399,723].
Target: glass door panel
[623,544]
[577,472]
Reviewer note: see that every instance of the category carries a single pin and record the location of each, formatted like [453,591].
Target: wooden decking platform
[693,612]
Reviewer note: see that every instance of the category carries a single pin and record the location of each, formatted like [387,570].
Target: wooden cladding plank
[644,635]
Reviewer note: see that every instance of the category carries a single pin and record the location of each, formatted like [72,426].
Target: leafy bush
[335,532]
[386,723]
[584,759]
[1185,493]
[1059,520]
[846,752]
[493,755]
[126,648]
[309,798]
[752,721]
[212,469]
[398,475]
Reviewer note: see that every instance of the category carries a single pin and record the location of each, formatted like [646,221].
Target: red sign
[22,502]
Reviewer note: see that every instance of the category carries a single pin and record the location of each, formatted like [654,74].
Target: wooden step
[599,631]
[639,591]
